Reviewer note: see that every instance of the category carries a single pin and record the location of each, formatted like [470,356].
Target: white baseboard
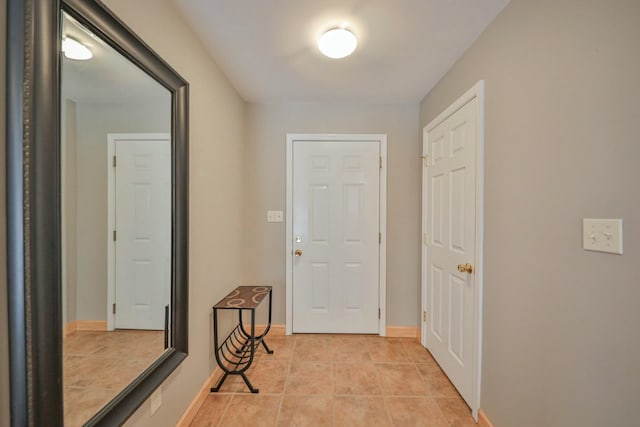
[483,420]
[392,331]
[403,332]
[85,325]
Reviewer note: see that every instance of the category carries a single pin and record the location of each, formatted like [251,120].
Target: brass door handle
[297,252]
[465,268]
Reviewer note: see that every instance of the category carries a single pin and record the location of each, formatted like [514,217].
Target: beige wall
[95,122]
[267,127]
[216,114]
[561,340]
[4,347]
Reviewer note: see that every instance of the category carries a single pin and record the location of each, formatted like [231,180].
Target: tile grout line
[382,391]
[333,406]
[224,412]
[430,396]
[333,395]
[286,379]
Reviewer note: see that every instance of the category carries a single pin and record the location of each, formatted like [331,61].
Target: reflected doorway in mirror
[139,250]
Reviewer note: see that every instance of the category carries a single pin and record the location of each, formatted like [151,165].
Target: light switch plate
[274,216]
[602,235]
[155,401]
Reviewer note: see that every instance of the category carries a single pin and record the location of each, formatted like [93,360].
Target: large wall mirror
[97,215]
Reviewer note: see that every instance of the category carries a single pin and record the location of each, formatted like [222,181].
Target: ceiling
[268,48]
[107,78]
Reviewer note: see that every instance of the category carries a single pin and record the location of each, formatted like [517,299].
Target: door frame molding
[382,227]
[476,92]
[111,213]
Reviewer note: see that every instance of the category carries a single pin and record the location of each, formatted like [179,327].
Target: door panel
[435,301]
[320,287]
[456,318]
[450,223]
[336,216]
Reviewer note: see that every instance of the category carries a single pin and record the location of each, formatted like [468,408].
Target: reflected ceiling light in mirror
[73,49]
[337,43]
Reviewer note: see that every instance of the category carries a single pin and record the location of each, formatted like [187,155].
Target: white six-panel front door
[335,224]
[450,192]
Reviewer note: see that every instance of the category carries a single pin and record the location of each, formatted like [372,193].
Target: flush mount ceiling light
[337,43]
[73,49]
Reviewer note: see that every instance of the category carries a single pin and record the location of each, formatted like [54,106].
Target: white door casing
[140,214]
[452,237]
[336,193]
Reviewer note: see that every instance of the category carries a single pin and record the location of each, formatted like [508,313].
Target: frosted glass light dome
[73,49]
[337,43]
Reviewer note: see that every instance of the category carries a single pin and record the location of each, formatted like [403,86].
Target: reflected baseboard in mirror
[84,325]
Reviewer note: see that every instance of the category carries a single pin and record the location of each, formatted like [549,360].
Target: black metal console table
[236,353]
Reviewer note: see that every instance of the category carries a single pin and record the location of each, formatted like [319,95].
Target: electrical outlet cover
[274,216]
[155,400]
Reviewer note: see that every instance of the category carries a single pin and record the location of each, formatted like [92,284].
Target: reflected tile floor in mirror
[98,365]
[339,380]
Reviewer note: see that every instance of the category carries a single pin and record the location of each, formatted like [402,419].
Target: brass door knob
[297,252]
[465,268]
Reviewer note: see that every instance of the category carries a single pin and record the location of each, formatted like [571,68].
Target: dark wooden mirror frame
[33,209]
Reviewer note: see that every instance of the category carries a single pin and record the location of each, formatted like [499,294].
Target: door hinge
[379,313]
[380,162]
[114,308]
[424,316]
[425,159]
[114,235]
[379,238]
[114,161]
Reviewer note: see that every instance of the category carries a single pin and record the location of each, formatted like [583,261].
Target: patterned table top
[244,297]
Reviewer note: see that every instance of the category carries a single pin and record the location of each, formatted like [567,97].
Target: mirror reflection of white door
[450,257]
[142,223]
[335,226]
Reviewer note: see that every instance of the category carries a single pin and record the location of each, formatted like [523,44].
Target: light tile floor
[339,380]
[98,365]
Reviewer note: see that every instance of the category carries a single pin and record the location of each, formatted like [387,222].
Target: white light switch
[274,216]
[602,235]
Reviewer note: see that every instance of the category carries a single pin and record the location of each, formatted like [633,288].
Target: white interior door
[450,237]
[335,224]
[143,226]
